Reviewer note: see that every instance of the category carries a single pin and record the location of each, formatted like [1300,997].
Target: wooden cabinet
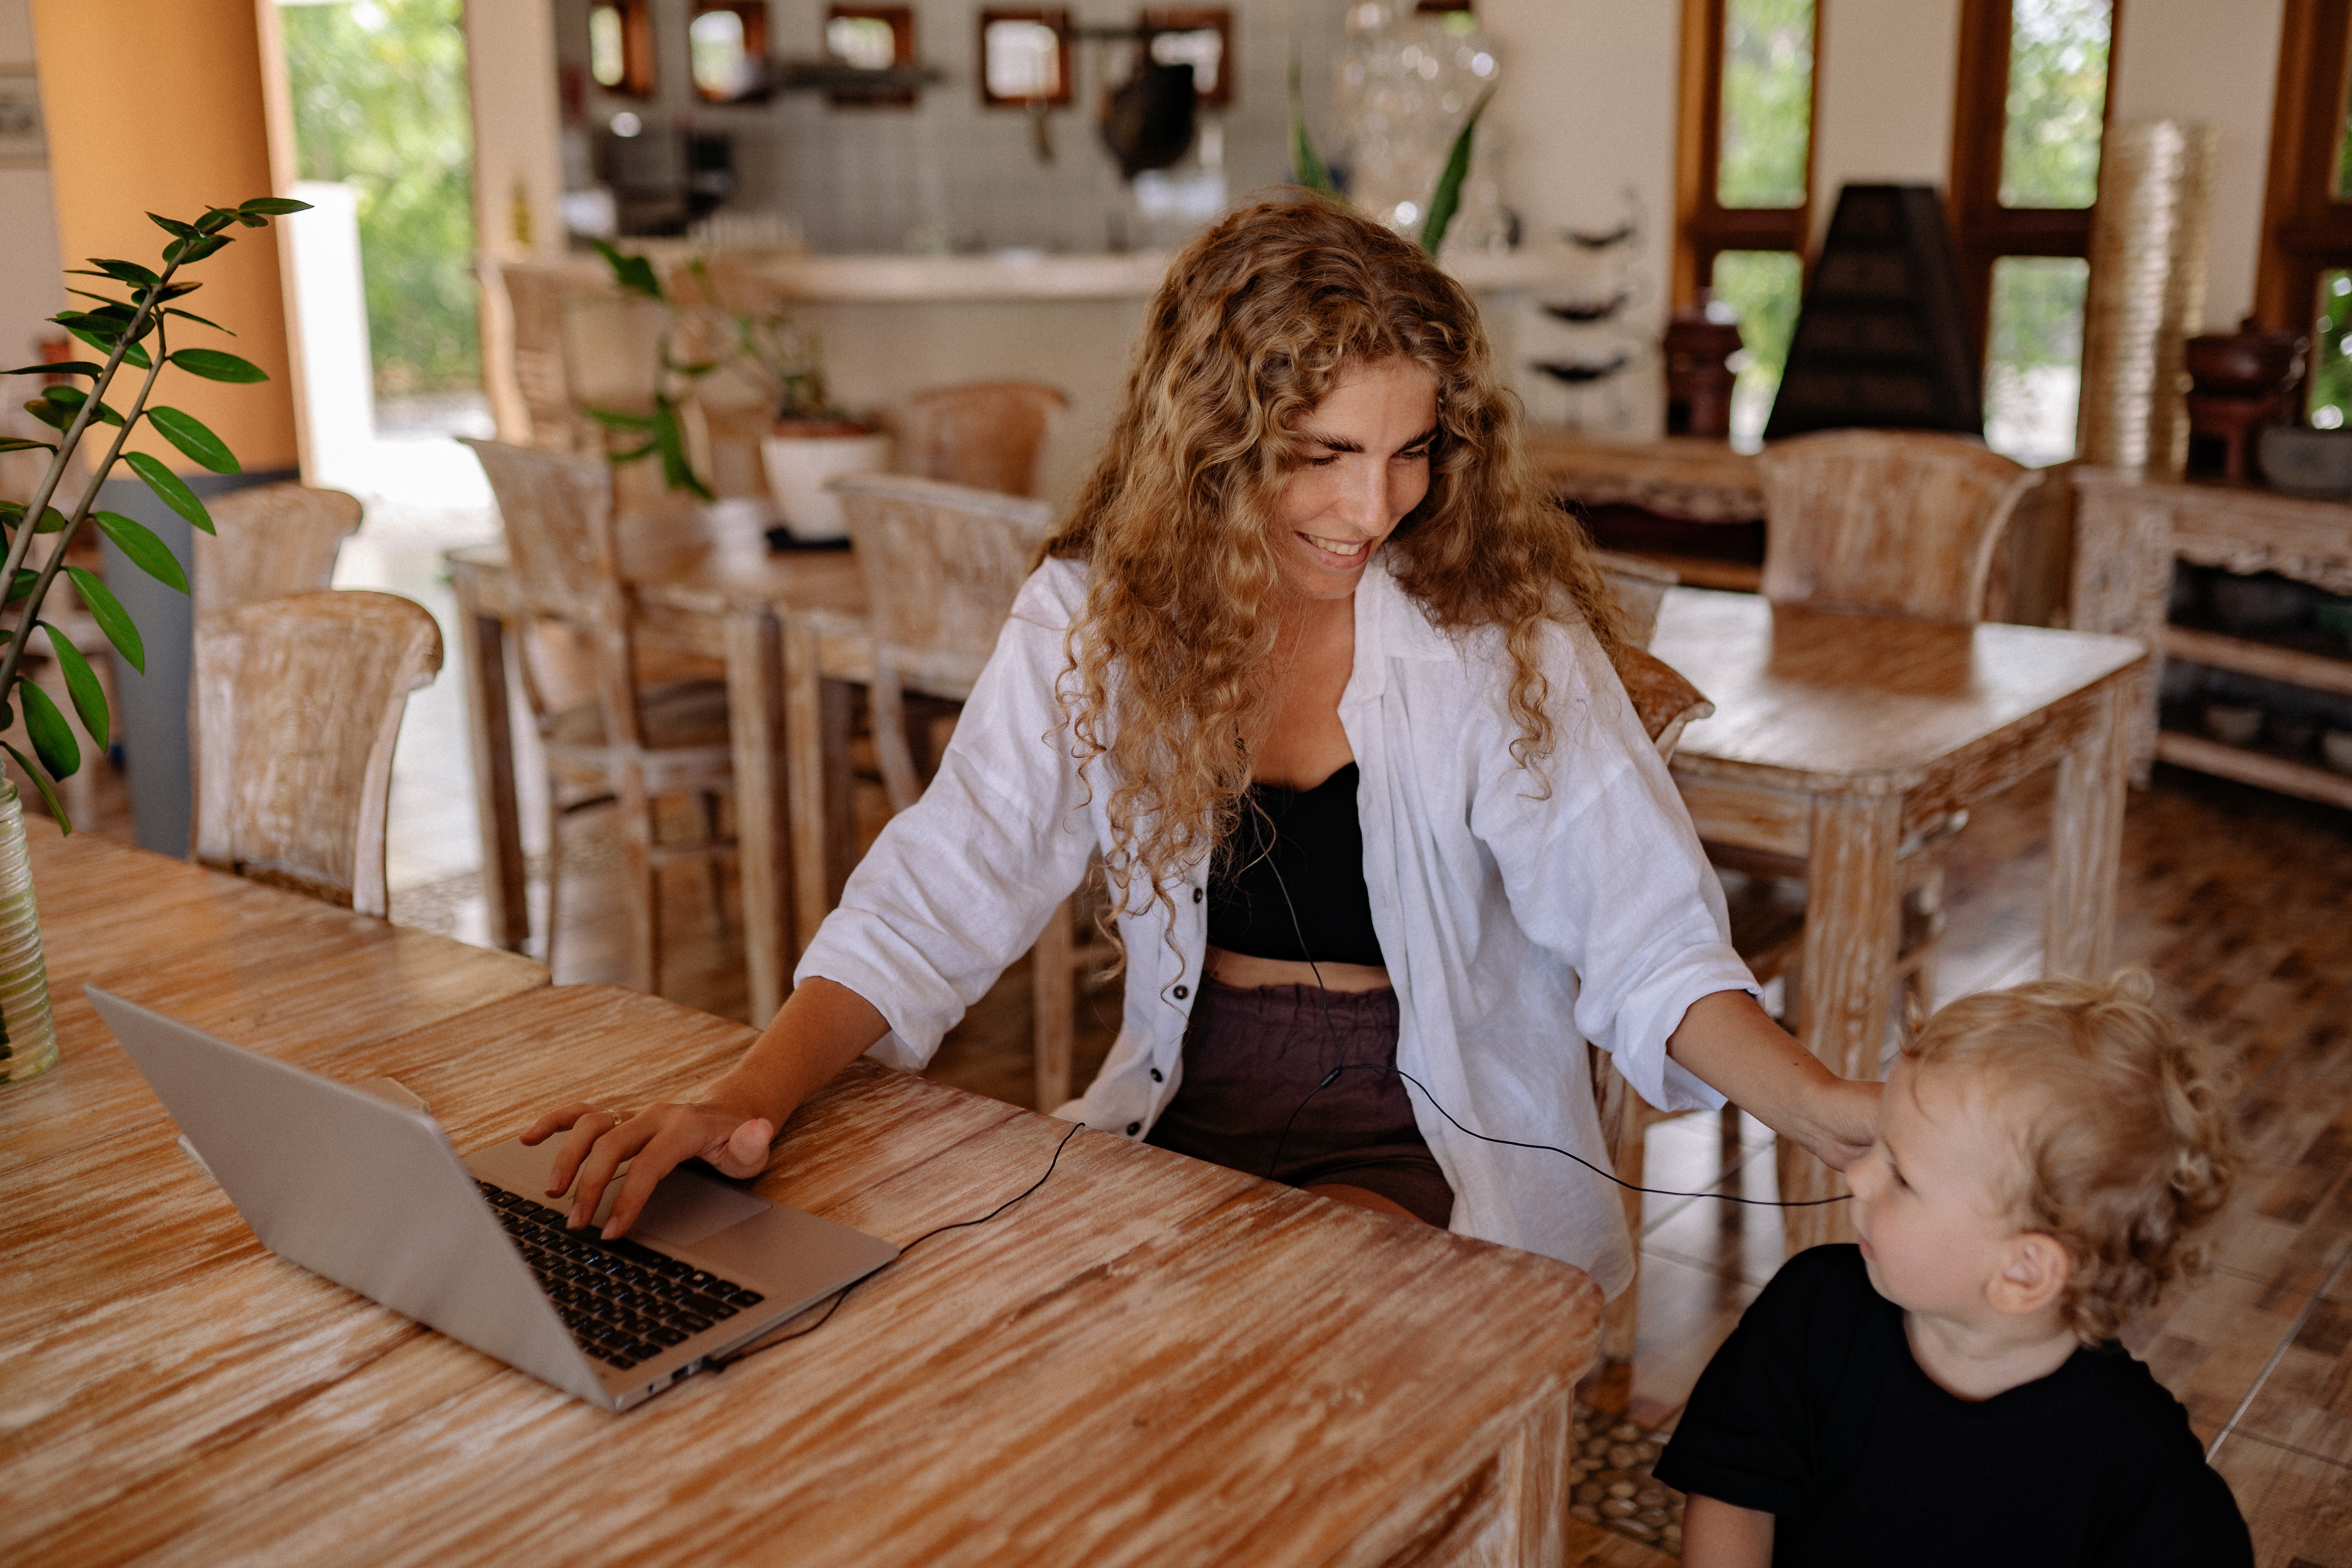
[2129,531]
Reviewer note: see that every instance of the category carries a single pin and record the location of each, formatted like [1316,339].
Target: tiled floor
[2234,898]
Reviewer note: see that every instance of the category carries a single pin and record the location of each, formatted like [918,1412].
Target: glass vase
[28,1037]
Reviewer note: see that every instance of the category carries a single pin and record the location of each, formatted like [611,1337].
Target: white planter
[798,467]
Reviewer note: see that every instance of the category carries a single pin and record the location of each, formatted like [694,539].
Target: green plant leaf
[633,273]
[1308,166]
[111,618]
[175,290]
[618,420]
[186,251]
[144,551]
[50,414]
[1446,199]
[169,489]
[70,399]
[126,272]
[215,219]
[18,444]
[172,226]
[188,432]
[215,366]
[52,737]
[56,806]
[22,585]
[634,453]
[272,206]
[59,367]
[192,316]
[81,685]
[669,440]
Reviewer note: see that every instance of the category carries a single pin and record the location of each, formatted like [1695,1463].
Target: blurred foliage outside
[379,90]
[2057,102]
[2331,353]
[1768,103]
[2034,370]
[1764,286]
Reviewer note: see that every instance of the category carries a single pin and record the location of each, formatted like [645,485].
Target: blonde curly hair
[1257,319]
[2123,1123]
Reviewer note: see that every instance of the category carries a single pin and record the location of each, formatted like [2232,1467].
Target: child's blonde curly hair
[2123,1125]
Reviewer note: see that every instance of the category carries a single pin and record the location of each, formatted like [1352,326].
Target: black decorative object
[1147,121]
[1583,311]
[1577,372]
[1883,340]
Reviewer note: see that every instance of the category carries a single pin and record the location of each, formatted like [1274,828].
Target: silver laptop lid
[371,1195]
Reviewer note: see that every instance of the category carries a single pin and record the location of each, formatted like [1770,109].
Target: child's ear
[2032,1276]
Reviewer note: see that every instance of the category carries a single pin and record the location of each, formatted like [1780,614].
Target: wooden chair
[1892,522]
[271,541]
[942,564]
[299,701]
[987,434]
[626,743]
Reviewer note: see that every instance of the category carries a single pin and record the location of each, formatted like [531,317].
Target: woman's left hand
[1733,1045]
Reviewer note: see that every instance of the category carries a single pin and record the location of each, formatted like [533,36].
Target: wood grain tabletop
[257,966]
[1149,1360]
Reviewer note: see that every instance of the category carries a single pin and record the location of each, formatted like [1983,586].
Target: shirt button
[1181,992]
[1155,1075]
[1198,895]
[1133,1128]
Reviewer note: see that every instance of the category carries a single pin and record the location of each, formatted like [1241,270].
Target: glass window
[869,43]
[2331,352]
[1023,59]
[608,56]
[716,52]
[2033,373]
[1764,286]
[1768,103]
[2057,102]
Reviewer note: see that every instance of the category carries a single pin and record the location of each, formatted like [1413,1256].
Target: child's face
[1933,1227]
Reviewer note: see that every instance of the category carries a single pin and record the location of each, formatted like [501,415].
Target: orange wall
[156,105]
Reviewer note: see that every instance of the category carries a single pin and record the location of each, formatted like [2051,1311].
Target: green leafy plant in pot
[134,332]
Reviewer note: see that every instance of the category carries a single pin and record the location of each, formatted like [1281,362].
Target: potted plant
[136,333]
[812,438]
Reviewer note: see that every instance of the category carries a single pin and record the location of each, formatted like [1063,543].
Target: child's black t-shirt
[1815,1412]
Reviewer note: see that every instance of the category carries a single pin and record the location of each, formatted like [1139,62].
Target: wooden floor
[2237,901]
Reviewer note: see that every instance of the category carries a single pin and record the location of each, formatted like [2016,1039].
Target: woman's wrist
[1731,1044]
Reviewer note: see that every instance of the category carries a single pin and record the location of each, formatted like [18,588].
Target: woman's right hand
[655,1141]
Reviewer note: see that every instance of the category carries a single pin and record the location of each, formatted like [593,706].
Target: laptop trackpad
[686,1207]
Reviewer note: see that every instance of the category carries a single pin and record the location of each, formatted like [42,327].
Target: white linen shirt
[1516,923]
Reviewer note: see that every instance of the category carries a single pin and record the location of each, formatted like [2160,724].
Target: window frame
[1984,231]
[2305,230]
[1054,16]
[754,15]
[1703,226]
[637,48]
[900,19]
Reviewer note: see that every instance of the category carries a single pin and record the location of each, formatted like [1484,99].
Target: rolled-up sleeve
[960,884]
[1605,871]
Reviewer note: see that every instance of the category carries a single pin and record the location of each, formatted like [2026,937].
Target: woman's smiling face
[1367,466]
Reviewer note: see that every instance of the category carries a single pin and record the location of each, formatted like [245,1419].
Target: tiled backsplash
[889,179]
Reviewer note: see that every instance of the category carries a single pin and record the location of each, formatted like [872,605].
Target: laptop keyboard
[623,1302]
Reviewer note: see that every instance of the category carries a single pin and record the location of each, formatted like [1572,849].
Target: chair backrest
[1640,587]
[272,540]
[987,434]
[536,302]
[1898,522]
[942,564]
[1663,699]
[299,701]
[556,508]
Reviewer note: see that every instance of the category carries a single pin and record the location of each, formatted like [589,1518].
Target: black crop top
[1309,845]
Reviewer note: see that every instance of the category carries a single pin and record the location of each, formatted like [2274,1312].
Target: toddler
[1949,1390]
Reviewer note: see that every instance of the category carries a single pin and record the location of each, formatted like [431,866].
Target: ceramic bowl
[2249,362]
[2336,750]
[2305,462]
[2233,723]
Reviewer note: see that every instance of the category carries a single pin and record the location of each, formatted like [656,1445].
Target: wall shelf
[2261,768]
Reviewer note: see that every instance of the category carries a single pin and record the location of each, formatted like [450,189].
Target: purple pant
[1252,1058]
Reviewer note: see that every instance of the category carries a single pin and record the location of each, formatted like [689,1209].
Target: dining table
[1836,737]
[1124,1357]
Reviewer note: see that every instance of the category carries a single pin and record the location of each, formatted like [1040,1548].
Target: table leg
[2086,829]
[755,709]
[1535,1486]
[481,643]
[804,781]
[1854,921]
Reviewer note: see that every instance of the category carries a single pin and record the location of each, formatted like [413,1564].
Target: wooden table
[790,628]
[254,965]
[1148,1361]
[1837,736]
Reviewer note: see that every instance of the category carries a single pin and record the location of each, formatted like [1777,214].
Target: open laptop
[372,1196]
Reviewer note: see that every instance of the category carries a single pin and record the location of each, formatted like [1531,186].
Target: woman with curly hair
[1323,675]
